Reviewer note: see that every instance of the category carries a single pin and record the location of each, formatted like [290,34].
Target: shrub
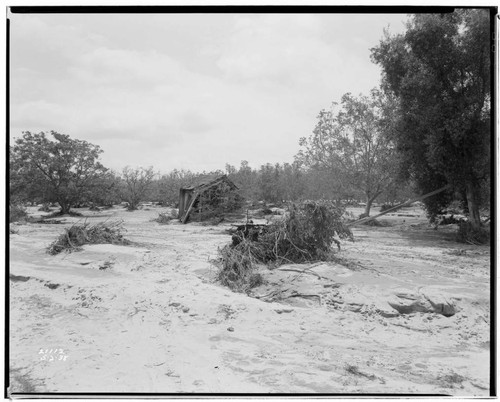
[385,207]
[78,235]
[447,220]
[305,234]
[163,218]
[44,208]
[468,234]
[374,223]
[17,213]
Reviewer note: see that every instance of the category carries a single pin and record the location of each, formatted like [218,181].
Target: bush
[165,217]
[447,220]
[78,235]
[131,207]
[44,208]
[17,213]
[305,234]
[468,234]
[385,207]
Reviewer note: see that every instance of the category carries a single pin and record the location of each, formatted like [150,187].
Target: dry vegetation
[165,217]
[305,234]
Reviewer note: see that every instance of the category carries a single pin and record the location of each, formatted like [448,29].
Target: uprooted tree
[61,169]
[439,70]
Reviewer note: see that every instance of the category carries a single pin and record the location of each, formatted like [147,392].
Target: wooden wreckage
[208,199]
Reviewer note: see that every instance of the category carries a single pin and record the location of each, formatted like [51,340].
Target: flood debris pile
[79,234]
[306,233]
[165,217]
[209,199]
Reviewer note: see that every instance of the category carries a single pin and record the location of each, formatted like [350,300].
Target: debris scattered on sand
[79,234]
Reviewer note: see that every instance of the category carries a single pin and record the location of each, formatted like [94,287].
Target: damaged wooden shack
[208,199]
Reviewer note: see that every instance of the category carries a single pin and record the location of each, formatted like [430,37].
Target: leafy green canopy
[62,170]
[439,71]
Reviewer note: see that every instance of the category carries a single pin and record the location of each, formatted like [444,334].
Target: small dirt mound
[19,278]
[52,285]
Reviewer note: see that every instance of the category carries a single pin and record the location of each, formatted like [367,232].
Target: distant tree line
[54,168]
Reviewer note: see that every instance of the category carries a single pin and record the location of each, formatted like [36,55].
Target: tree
[107,191]
[439,70]
[292,182]
[137,183]
[169,185]
[246,180]
[268,183]
[352,147]
[62,170]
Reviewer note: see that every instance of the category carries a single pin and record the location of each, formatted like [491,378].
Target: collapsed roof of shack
[212,197]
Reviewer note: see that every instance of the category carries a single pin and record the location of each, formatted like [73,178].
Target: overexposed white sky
[188,91]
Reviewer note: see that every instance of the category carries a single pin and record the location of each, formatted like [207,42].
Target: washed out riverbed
[405,310]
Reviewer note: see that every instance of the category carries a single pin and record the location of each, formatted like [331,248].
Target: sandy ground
[407,312]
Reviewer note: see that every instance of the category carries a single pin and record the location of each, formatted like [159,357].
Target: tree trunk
[473,204]
[65,207]
[369,202]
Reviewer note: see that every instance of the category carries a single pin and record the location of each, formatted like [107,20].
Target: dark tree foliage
[215,202]
[439,71]
[166,188]
[62,169]
[107,191]
[271,183]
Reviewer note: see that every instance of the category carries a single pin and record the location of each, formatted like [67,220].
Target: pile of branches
[306,234]
[215,202]
[79,234]
[165,217]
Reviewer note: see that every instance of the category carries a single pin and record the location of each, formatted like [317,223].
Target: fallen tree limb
[305,297]
[272,293]
[305,271]
[422,197]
